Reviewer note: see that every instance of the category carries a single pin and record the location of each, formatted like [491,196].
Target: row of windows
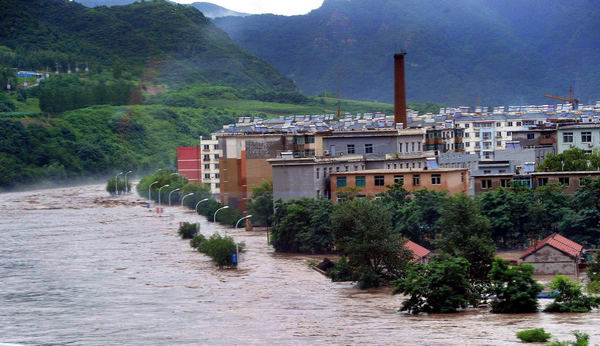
[208,147]
[207,176]
[308,139]
[337,169]
[485,145]
[206,157]
[508,124]
[586,137]
[487,183]
[207,166]
[216,185]
[379,180]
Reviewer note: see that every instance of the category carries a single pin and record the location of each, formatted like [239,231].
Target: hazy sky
[285,7]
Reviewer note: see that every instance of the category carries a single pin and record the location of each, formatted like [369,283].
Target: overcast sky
[285,7]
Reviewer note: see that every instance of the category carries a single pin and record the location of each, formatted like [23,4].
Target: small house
[554,255]
[421,254]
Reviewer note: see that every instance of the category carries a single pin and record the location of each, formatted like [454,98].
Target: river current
[78,266]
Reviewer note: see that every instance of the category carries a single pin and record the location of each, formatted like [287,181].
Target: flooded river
[80,267]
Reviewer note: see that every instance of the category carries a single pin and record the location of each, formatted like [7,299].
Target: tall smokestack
[399,90]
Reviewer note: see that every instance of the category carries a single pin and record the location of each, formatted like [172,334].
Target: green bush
[196,241]
[581,339]
[534,335]
[568,296]
[221,249]
[514,287]
[110,186]
[187,230]
[341,271]
[593,287]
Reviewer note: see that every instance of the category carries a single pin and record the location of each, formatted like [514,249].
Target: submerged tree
[568,296]
[515,289]
[260,206]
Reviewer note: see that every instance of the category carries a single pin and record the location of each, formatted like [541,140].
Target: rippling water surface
[80,267]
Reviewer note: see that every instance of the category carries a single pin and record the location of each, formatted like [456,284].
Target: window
[467,144]
[341,181]
[399,179]
[216,156]
[518,123]
[416,179]
[487,171]
[509,123]
[462,175]
[531,136]
[317,173]
[216,147]
[216,175]
[467,126]
[477,134]
[206,157]
[498,124]
[486,184]
[498,144]
[368,148]
[216,166]
[395,166]
[568,137]
[505,182]
[206,176]
[350,148]
[207,166]
[360,180]
[299,140]
[563,180]
[542,181]
[206,147]
[586,137]
[406,147]
[467,135]
[310,139]
[379,180]
[413,146]
[499,134]
[337,169]
[217,185]
[346,168]
[509,133]
[436,179]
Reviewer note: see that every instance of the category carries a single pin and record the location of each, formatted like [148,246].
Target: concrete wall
[550,261]
[380,145]
[291,182]
[577,142]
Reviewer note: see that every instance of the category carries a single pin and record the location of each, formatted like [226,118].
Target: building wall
[571,181]
[291,182]
[189,163]
[496,182]
[453,181]
[339,145]
[550,261]
[577,140]
[211,154]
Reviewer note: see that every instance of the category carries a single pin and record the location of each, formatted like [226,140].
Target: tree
[439,287]
[363,233]
[302,225]
[568,296]
[571,160]
[514,287]
[465,233]
[582,222]
[418,218]
[260,206]
[593,271]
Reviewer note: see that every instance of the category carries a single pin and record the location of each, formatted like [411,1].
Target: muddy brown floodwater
[80,267]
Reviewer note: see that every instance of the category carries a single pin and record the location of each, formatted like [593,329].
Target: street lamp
[197,204]
[117,182]
[126,190]
[215,216]
[238,221]
[159,193]
[150,187]
[182,198]
[177,189]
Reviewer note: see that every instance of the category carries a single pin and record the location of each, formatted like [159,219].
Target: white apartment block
[210,164]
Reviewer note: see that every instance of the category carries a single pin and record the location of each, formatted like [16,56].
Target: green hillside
[157,42]
[459,51]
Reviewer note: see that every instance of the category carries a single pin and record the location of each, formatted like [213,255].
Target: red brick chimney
[399,90]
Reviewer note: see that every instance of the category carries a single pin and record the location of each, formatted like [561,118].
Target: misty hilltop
[501,52]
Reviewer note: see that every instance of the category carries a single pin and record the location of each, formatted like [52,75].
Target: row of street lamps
[117,183]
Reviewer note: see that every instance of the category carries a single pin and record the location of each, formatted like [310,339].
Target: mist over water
[80,267]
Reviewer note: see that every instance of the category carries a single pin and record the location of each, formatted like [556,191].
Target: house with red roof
[421,254]
[553,255]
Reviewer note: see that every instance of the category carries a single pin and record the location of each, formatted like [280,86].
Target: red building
[189,163]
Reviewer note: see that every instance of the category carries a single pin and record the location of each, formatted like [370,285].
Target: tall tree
[260,206]
[514,287]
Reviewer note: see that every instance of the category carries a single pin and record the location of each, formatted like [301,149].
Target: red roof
[558,242]
[417,249]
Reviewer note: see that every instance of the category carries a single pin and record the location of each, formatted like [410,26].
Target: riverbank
[80,266]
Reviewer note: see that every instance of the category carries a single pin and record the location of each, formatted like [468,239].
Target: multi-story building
[582,136]
[211,154]
[310,177]
[189,163]
[372,182]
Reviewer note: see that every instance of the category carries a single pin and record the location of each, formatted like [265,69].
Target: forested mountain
[159,41]
[501,51]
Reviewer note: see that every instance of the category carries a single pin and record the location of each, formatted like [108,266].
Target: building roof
[558,242]
[409,170]
[417,250]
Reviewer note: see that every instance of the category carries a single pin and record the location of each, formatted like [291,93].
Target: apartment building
[582,136]
[210,155]
[571,181]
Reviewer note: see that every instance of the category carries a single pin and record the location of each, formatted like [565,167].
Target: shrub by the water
[341,271]
[187,230]
[581,339]
[534,335]
[568,296]
[221,249]
[196,241]
[110,186]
